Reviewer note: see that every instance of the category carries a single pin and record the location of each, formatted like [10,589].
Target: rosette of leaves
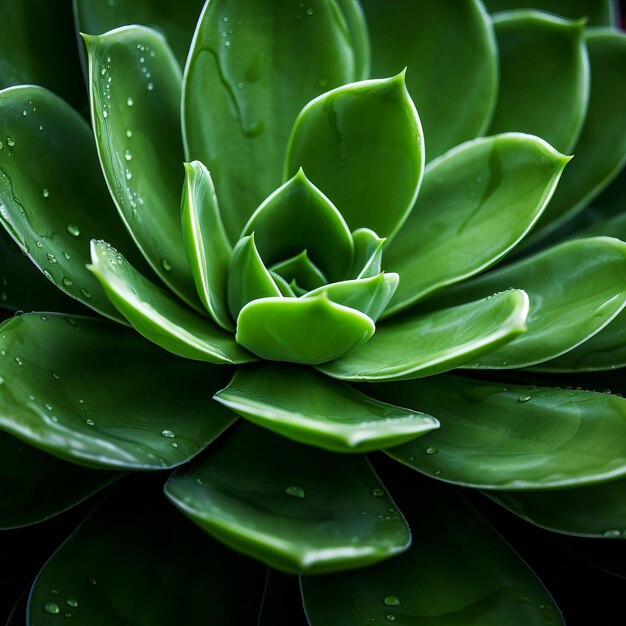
[305,302]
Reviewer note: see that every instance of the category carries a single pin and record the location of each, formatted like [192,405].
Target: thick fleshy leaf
[135,90]
[596,511]
[176,22]
[157,315]
[297,217]
[208,248]
[458,572]
[569,301]
[368,253]
[122,569]
[496,436]
[296,508]
[544,77]
[597,12]
[476,203]
[241,94]
[434,342]
[313,409]
[36,486]
[301,330]
[285,288]
[52,195]
[302,270]
[453,77]
[362,144]
[248,277]
[359,37]
[368,295]
[99,395]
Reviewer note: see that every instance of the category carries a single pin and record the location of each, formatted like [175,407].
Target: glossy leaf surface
[305,406]
[597,12]
[157,315]
[54,398]
[311,330]
[135,90]
[476,203]
[450,50]
[302,270]
[98,576]
[362,145]
[434,342]
[297,508]
[242,93]
[368,253]
[496,436]
[359,37]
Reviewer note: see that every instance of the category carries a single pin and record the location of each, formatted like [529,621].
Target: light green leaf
[362,144]
[99,395]
[500,436]
[157,315]
[597,12]
[308,330]
[297,217]
[458,572]
[52,193]
[208,248]
[544,77]
[36,486]
[476,203]
[284,287]
[296,508]
[450,49]
[434,342]
[305,406]
[242,93]
[368,253]
[301,269]
[359,37]
[135,90]
[125,569]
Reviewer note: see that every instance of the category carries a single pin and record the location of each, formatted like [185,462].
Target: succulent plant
[323,290]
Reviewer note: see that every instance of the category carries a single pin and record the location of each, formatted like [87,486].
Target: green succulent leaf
[569,301]
[458,572]
[53,396]
[509,437]
[544,77]
[368,253]
[451,53]
[206,243]
[367,132]
[434,342]
[118,569]
[476,203]
[359,37]
[301,330]
[242,90]
[135,89]
[36,486]
[297,217]
[296,508]
[596,12]
[307,407]
[157,315]
[285,288]
[52,193]
[302,270]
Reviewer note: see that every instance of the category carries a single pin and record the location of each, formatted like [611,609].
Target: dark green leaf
[298,509]
[301,269]
[359,37]
[597,12]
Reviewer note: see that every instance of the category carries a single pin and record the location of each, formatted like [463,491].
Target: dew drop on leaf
[295,491]
[73,230]
[10,142]
[379,493]
[129,101]
[391,601]
[432,450]
[168,433]
[45,193]
[612,533]
[52,608]
[72,602]
[525,398]
[167,266]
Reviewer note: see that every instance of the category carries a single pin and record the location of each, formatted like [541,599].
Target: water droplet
[309,11]
[45,193]
[19,361]
[379,493]
[129,101]
[129,133]
[391,601]
[44,318]
[55,591]
[73,230]
[56,376]
[225,19]
[105,114]
[525,398]
[150,86]
[129,174]
[90,422]
[85,293]
[67,255]
[48,407]
[39,244]
[72,602]
[168,433]
[51,258]
[174,444]
[295,491]
[10,142]
[432,450]
[92,581]
[391,617]
[167,266]
[227,43]
[52,608]
[612,533]
[128,156]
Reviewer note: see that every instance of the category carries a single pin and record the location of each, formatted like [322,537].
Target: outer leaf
[597,12]
[305,406]
[458,572]
[434,342]
[135,90]
[367,132]
[98,395]
[158,316]
[36,486]
[119,569]
[311,330]
[296,508]
[208,248]
[359,37]
[544,77]
[477,202]
[452,78]
[301,269]
[297,217]
[511,437]
[569,302]
[241,94]
[52,194]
